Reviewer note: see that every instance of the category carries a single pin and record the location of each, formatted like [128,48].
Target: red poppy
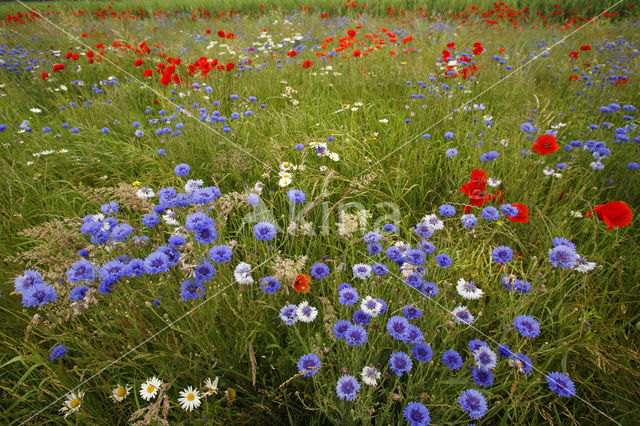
[147,73]
[208,32]
[292,53]
[357,53]
[351,33]
[523,213]
[615,213]
[476,184]
[58,67]
[306,64]
[302,283]
[230,66]
[138,62]
[44,75]
[585,47]
[451,45]
[546,144]
[221,34]
[573,55]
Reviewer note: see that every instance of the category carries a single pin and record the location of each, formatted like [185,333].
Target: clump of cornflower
[296,196]
[474,403]
[561,384]
[505,351]
[77,293]
[270,285]
[512,283]
[397,327]
[417,414]
[482,377]
[319,270]
[452,359]
[444,260]
[400,363]
[58,352]
[347,388]
[468,290]
[509,210]
[563,254]
[264,231]
[370,306]
[522,363]
[462,315]
[451,152]
[527,326]
[360,317]
[411,312]
[490,213]
[306,312]
[220,254]
[502,254]
[476,344]
[191,289]
[340,328]
[308,365]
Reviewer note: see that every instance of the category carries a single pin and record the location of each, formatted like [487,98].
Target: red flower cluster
[478,196]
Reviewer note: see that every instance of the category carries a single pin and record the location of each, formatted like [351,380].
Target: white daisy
[575,214]
[468,290]
[242,273]
[120,393]
[306,312]
[149,389]
[284,181]
[189,399]
[36,110]
[371,306]
[72,404]
[334,156]
[370,375]
[210,387]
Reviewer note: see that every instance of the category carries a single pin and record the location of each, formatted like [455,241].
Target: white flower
[170,218]
[323,168]
[575,214]
[189,399]
[485,358]
[72,404]
[285,165]
[583,265]
[493,182]
[334,156]
[242,273]
[370,375]
[383,121]
[120,393]
[145,192]
[468,290]
[149,389]
[434,222]
[284,181]
[36,110]
[210,387]
[305,312]
[371,306]
[548,171]
[192,185]
[462,315]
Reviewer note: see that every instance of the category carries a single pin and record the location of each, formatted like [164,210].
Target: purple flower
[502,254]
[309,364]
[400,363]
[58,352]
[319,270]
[527,326]
[561,384]
[347,388]
[264,231]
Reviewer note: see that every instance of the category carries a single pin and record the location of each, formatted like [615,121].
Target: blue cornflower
[490,213]
[340,328]
[204,271]
[415,256]
[563,256]
[509,210]
[482,377]
[355,335]
[109,209]
[474,403]
[561,384]
[77,293]
[447,210]
[414,335]
[417,414]
[505,351]
[443,260]
[502,254]
[299,147]
[451,152]
[489,156]
[527,128]
[253,199]
[469,220]
[156,263]
[296,196]
[309,364]
[360,317]
[58,352]
[411,312]
[485,358]
[424,229]
[288,314]
[372,237]
[38,295]
[270,285]
[379,268]
[527,326]
[150,220]
[347,387]
[191,290]
[523,363]
[181,169]
[452,359]
[400,363]
[476,344]
[319,270]
[422,352]
[397,327]
[559,241]
[393,253]
[264,231]
[348,296]
[448,135]
[374,248]
[220,254]
[206,235]
[135,268]
[82,270]
[389,227]
[361,271]
[121,232]
[176,241]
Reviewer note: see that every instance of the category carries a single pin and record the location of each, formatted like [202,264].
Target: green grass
[589,321]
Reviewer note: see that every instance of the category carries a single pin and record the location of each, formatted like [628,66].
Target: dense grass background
[589,321]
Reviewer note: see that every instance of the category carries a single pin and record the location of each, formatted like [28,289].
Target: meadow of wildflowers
[334,214]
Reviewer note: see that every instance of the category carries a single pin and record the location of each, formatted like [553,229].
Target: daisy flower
[120,393]
[211,387]
[149,389]
[468,290]
[189,399]
[370,375]
[72,404]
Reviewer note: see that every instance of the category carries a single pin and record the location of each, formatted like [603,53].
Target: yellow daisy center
[151,388]
[121,392]
[191,397]
[75,403]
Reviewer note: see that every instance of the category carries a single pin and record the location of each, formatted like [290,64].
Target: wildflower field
[324,213]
